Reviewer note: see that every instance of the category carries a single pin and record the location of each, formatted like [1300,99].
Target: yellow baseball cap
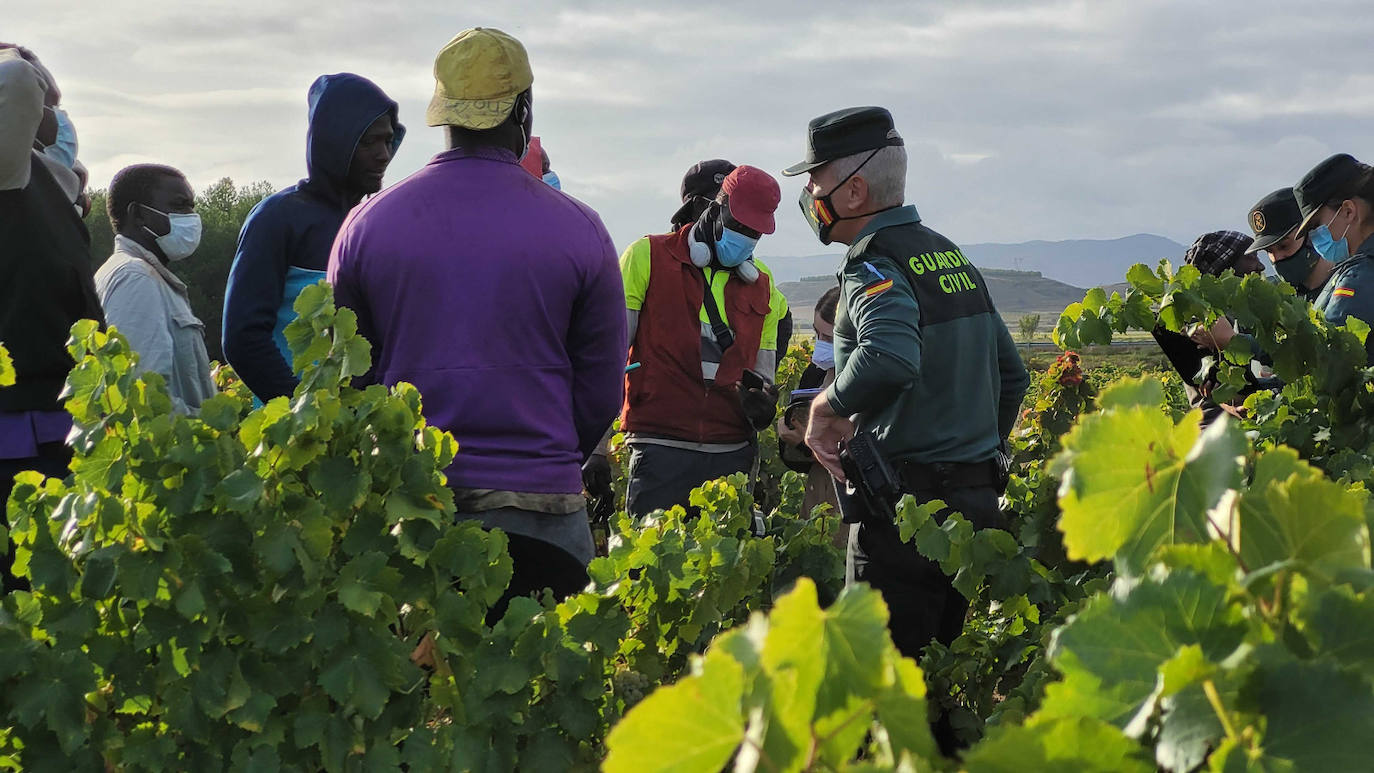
[477,77]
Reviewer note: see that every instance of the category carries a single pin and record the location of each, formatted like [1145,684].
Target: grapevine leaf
[1320,717]
[1095,299]
[1124,641]
[1059,745]
[1292,513]
[354,681]
[365,582]
[902,710]
[1143,279]
[1341,626]
[794,656]
[7,373]
[1133,480]
[694,725]
[241,490]
[1188,731]
[98,571]
[339,482]
[1212,560]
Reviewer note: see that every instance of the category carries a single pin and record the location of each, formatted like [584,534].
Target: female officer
[1337,203]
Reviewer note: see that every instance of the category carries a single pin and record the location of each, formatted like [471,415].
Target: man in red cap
[703,319]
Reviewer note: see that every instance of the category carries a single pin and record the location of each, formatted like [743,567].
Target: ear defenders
[701,247]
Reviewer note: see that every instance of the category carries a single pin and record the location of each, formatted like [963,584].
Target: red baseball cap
[754,197]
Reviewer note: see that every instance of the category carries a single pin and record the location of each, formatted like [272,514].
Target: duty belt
[946,476]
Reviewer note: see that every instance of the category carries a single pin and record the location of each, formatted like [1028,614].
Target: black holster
[873,478]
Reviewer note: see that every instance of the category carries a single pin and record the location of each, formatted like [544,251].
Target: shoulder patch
[1344,292]
[878,289]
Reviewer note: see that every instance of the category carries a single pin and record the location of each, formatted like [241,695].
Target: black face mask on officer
[820,210]
[1296,267]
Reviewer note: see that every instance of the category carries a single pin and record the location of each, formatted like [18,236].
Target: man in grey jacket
[152,208]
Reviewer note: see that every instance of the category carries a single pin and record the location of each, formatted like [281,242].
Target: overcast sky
[1023,119]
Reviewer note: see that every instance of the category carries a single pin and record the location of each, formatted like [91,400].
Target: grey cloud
[1024,120]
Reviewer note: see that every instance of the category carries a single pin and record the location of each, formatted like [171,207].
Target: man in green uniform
[924,363]
[1275,219]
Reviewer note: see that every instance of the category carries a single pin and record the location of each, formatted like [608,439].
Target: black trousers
[52,460]
[920,598]
[537,565]
[662,476]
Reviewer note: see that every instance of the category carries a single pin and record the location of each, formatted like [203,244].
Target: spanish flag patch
[878,289]
[1344,292]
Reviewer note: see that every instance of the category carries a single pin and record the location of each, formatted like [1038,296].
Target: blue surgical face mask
[551,178]
[1334,250]
[733,248]
[63,149]
[824,356]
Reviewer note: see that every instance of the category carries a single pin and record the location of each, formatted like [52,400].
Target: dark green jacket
[1350,292]
[922,357]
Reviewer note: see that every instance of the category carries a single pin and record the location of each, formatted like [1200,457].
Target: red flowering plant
[1055,401]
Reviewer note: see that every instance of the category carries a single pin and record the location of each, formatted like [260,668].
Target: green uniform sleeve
[634,271]
[882,307]
[1015,379]
[1352,295]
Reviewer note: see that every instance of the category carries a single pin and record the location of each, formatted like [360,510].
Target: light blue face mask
[63,149]
[733,248]
[1334,250]
[824,356]
[551,178]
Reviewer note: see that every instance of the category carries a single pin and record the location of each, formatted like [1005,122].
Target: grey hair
[885,174]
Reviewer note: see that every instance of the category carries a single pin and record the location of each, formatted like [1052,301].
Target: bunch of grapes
[631,686]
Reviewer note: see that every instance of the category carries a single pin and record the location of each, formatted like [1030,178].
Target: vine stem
[865,708]
[1214,698]
[1228,532]
[763,755]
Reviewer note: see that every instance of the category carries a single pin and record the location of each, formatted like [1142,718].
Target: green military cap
[1318,186]
[1273,218]
[844,133]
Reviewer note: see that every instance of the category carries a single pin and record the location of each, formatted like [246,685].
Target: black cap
[703,180]
[844,133]
[1273,218]
[1323,183]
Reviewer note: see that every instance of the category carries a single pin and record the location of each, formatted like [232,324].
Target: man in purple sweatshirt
[500,299]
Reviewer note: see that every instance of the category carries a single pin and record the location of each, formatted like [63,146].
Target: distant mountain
[1084,262]
[1079,262]
[1014,292]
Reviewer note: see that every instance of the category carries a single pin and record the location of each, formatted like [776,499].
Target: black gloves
[596,479]
[760,405]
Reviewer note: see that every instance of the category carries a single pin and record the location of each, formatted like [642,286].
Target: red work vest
[666,396]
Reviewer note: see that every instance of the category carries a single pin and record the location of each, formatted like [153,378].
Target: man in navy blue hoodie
[285,242]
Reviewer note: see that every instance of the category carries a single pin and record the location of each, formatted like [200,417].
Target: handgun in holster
[871,476]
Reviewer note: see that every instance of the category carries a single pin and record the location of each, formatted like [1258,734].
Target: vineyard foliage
[254,588]
[1172,599]
[245,588]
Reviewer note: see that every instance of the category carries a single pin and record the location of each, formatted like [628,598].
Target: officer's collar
[1367,248]
[900,216]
